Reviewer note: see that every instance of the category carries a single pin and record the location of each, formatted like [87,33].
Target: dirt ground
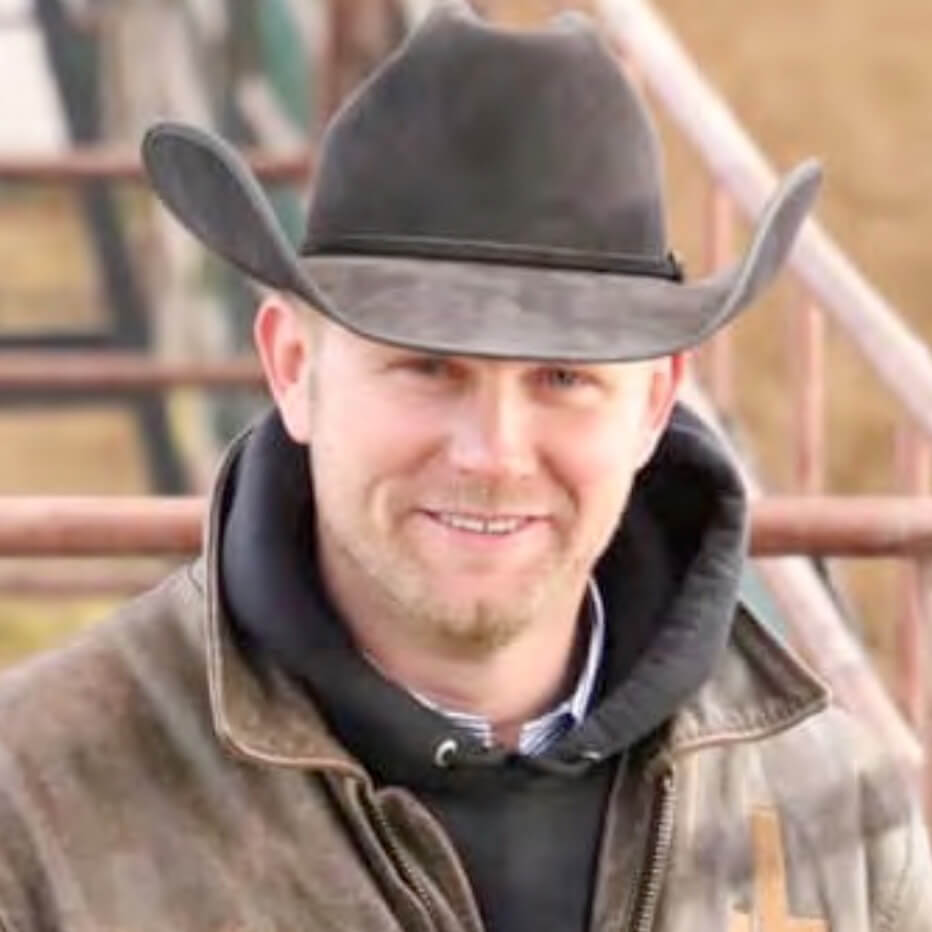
[847,80]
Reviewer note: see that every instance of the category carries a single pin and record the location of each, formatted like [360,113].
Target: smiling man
[465,648]
[461,502]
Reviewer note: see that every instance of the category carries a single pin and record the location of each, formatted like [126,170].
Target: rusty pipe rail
[120,371]
[862,526]
[91,526]
[64,526]
[99,163]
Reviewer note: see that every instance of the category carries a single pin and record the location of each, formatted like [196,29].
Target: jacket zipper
[401,859]
[660,839]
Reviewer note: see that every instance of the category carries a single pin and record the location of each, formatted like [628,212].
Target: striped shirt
[541,733]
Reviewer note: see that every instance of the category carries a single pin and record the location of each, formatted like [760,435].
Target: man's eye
[559,377]
[427,366]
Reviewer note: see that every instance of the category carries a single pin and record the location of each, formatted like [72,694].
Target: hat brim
[462,307]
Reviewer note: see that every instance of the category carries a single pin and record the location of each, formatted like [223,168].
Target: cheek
[362,445]
[602,452]
[596,464]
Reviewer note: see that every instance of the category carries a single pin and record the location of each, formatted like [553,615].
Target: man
[464,649]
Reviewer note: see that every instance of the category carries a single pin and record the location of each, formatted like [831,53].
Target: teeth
[480,525]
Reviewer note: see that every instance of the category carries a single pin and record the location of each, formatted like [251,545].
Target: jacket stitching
[761,723]
[737,736]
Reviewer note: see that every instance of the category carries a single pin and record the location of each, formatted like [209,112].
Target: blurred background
[90,265]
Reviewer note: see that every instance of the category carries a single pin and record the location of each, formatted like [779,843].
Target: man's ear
[284,342]
[663,389]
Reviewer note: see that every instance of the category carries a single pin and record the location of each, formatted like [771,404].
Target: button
[443,755]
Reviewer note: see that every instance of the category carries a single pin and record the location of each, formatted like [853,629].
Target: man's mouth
[495,525]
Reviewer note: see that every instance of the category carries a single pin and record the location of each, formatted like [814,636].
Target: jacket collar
[258,712]
[757,689]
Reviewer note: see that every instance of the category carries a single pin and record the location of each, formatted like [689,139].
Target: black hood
[669,581]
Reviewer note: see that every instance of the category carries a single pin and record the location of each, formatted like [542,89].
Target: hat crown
[473,133]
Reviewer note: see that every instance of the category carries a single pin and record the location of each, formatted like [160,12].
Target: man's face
[464,498]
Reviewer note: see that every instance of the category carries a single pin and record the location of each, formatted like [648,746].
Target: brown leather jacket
[151,780]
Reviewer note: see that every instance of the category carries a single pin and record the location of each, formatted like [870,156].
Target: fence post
[922,606]
[717,357]
[914,458]
[807,364]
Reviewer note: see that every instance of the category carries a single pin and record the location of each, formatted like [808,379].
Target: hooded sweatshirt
[527,829]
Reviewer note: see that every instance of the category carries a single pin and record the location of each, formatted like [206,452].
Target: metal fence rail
[171,526]
[98,163]
[116,371]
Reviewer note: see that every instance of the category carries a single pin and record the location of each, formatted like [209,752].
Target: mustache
[470,495]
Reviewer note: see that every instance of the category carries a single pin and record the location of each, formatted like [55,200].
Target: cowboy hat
[486,191]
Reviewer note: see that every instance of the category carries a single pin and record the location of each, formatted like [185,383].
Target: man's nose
[492,434]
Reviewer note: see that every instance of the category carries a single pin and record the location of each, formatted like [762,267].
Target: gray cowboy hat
[485,192]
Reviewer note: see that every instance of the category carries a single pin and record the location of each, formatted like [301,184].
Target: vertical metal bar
[334,19]
[807,362]
[911,653]
[75,66]
[922,602]
[915,457]
[717,361]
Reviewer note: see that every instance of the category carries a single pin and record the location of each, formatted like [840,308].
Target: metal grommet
[443,755]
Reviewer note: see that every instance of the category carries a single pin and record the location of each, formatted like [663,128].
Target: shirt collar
[540,733]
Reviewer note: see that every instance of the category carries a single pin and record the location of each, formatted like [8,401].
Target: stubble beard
[404,594]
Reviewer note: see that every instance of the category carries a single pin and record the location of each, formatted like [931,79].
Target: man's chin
[479,615]
[481,599]
[476,631]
